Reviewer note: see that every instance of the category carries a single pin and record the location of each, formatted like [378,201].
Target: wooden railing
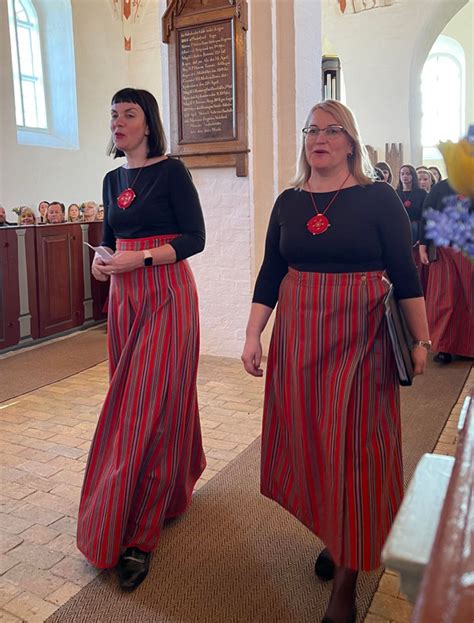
[45,283]
[447,589]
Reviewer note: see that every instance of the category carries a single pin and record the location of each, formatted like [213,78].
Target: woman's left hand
[419,355]
[123,262]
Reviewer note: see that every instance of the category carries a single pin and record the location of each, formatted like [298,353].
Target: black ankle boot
[133,568]
[324,567]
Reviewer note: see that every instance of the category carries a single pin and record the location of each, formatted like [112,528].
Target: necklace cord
[332,200]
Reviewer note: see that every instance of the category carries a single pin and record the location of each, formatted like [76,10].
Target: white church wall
[31,173]
[382,53]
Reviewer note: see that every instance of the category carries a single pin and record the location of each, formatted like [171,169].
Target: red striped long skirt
[331,443]
[450,303]
[147,454]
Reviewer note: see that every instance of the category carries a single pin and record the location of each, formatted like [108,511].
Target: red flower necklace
[319,224]
[124,200]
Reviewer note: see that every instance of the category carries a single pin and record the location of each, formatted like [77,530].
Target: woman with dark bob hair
[386,170]
[147,454]
[331,440]
[412,197]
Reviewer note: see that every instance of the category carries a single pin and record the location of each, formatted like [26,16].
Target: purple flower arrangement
[453,226]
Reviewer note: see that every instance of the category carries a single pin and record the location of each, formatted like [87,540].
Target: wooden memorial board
[207,69]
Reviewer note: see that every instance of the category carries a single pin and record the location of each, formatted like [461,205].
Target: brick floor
[44,440]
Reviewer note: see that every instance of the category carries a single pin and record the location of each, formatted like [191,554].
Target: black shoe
[443,358]
[133,568]
[324,567]
[352,617]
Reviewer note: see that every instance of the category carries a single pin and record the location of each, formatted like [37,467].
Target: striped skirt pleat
[450,303]
[147,454]
[331,442]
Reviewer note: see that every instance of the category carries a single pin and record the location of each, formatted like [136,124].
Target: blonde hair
[359,163]
[25,210]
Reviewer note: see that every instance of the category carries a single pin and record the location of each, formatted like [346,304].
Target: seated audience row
[54,212]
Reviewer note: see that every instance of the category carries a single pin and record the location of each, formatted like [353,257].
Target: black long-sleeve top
[370,230]
[413,203]
[166,202]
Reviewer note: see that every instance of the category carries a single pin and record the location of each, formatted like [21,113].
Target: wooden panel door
[9,290]
[99,289]
[60,278]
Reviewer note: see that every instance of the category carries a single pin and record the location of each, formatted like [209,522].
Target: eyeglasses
[332,131]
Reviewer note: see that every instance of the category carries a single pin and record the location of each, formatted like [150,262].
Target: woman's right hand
[252,356]
[423,251]
[97,263]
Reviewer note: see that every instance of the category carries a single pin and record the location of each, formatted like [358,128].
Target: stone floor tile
[78,571]
[63,594]
[391,607]
[225,455]
[10,460]
[33,454]
[14,525]
[37,555]
[63,462]
[38,534]
[14,490]
[37,581]
[68,492]
[8,590]
[6,562]
[374,618]
[65,525]
[41,515]
[40,469]
[66,544]
[7,617]
[8,541]
[30,607]
[11,474]
[208,474]
[37,434]
[47,500]
[389,584]
[66,476]
[35,482]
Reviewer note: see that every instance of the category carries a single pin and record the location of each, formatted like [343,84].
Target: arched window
[443,94]
[30,105]
[44,73]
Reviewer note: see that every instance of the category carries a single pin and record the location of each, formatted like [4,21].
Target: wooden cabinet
[9,289]
[99,289]
[60,278]
[45,283]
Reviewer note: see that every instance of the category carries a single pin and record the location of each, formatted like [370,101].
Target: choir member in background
[426,179]
[56,213]
[412,197]
[386,170]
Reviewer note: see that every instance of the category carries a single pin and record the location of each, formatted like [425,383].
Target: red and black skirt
[147,454]
[331,442]
[450,303]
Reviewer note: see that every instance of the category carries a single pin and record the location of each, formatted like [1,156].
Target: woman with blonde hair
[26,216]
[331,444]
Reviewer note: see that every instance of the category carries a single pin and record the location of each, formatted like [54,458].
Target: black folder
[400,337]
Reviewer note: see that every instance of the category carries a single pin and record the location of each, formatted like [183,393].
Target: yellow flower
[459,159]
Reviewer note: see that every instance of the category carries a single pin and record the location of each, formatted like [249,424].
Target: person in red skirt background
[147,454]
[450,289]
[331,446]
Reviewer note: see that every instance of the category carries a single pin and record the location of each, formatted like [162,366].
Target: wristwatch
[147,258]
[423,343]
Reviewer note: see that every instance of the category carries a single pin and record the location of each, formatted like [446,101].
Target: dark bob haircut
[414,177]
[384,166]
[149,105]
